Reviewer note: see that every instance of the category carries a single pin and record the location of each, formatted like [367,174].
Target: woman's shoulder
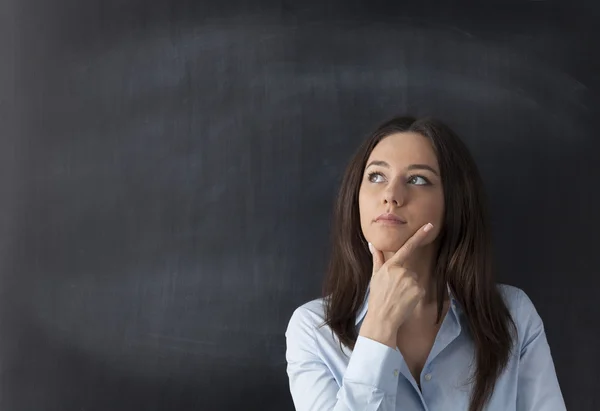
[511,295]
[523,311]
[307,317]
[517,300]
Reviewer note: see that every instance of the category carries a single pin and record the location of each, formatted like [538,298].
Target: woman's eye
[414,180]
[375,177]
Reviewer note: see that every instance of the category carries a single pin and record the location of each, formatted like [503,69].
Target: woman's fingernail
[428,227]
[371,248]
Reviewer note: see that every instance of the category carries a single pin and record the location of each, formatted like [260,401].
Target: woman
[411,318]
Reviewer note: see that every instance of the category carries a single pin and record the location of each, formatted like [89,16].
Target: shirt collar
[364,307]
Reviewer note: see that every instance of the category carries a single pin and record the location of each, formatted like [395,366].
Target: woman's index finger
[410,245]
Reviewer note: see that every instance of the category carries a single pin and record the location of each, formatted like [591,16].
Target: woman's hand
[395,292]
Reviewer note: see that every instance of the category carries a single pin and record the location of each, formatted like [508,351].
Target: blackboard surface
[167,172]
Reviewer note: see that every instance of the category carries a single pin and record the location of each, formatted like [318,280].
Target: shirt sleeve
[538,387]
[369,384]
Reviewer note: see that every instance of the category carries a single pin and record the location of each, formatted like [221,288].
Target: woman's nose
[393,196]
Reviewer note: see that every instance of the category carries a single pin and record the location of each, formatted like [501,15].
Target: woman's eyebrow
[378,163]
[422,167]
[410,167]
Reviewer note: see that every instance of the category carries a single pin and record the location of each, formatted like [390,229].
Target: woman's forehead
[404,148]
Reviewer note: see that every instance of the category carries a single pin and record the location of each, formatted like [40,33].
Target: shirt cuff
[375,364]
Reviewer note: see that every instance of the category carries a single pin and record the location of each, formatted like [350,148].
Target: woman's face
[401,179]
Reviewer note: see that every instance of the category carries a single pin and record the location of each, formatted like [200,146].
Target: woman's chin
[387,246]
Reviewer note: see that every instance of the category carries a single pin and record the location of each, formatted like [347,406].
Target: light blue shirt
[375,377]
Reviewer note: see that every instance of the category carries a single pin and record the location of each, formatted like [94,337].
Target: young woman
[411,318]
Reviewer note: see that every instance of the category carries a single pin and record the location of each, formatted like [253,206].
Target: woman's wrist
[379,331]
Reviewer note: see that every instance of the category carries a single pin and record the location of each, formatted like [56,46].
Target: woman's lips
[389,218]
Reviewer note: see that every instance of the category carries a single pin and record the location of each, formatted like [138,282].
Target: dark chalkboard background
[167,171]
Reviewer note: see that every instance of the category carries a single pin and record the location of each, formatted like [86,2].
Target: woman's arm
[369,384]
[538,387]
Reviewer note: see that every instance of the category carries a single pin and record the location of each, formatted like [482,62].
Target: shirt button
[395,373]
[427,377]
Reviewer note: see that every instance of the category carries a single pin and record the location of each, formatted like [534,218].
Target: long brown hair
[463,259]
